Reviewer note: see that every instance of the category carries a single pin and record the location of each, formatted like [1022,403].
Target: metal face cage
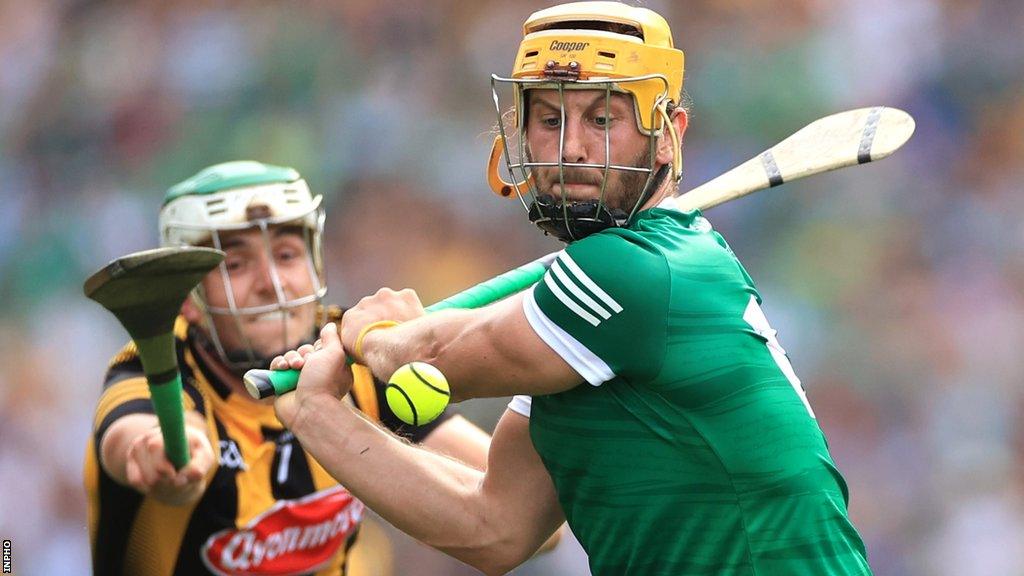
[519,163]
[247,357]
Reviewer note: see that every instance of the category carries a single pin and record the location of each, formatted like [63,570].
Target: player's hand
[150,472]
[325,374]
[386,304]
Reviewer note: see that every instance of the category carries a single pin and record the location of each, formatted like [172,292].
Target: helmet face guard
[209,218]
[604,46]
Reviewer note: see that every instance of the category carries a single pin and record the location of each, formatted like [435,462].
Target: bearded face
[590,123]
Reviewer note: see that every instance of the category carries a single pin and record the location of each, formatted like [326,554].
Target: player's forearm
[118,438]
[384,351]
[459,438]
[433,498]
[440,340]
[115,449]
[488,352]
[115,441]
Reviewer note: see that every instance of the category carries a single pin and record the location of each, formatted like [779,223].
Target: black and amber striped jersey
[269,508]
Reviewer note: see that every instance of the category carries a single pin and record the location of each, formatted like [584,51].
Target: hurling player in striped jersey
[654,407]
[251,501]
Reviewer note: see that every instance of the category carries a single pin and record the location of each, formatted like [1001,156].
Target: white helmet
[245,195]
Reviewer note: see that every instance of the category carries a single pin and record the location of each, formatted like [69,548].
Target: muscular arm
[492,520]
[487,352]
[462,440]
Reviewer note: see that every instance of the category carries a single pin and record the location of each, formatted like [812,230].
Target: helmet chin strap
[570,221]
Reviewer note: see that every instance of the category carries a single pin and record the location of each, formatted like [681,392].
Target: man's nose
[574,145]
[264,281]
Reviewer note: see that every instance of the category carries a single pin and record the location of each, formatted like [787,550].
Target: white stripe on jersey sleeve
[583,361]
[569,303]
[582,277]
[521,405]
[577,292]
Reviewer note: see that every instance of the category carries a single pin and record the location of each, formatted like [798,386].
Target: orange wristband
[366,330]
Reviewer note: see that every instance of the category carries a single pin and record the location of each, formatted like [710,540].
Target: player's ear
[681,120]
[665,151]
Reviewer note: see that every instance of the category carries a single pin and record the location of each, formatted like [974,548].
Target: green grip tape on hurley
[494,289]
[266,383]
[171,413]
[160,363]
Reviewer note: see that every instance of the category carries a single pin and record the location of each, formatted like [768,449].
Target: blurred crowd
[897,288]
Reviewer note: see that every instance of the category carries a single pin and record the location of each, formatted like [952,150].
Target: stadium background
[897,288]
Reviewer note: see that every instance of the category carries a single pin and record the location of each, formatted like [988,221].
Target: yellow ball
[417,393]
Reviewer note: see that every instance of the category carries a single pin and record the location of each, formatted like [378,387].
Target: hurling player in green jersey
[655,409]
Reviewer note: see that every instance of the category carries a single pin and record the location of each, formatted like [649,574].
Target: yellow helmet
[555,44]
[590,45]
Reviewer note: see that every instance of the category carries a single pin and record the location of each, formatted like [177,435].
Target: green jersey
[691,449]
